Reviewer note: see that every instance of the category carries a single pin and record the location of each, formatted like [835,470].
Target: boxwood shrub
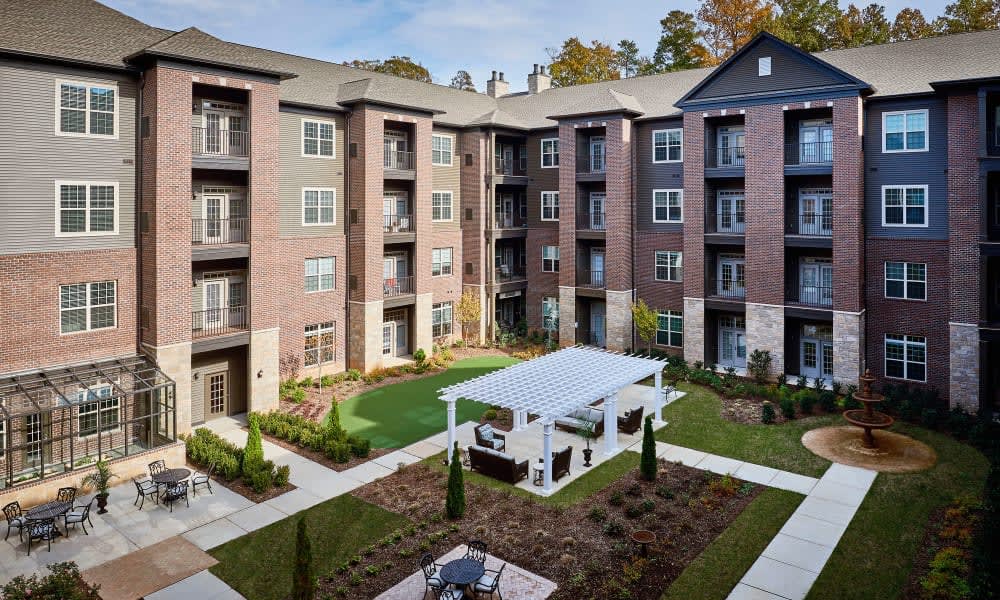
[329,437]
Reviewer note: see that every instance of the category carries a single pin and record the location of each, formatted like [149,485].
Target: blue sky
[444,35]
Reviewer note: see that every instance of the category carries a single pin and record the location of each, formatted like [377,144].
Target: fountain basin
[859,417]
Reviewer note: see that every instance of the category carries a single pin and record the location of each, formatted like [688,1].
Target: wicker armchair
[631,422]
[487,437]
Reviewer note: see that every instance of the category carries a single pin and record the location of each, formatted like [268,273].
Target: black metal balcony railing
[730,156]
[815,224]
[399,160]
[219,321]
[812,295]
[590,278]
[590,163]
[511,167]
[725,222]
[809,153]
[734,289]
[502,220]
[397,223]
[596,339]
[208,141]
[590,221]
[505,273]
[208,232]
[397,286]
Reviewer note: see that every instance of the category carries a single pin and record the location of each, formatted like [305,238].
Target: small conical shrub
[303,582]
[333,428]
[253,454]
[454,504]
[647,464]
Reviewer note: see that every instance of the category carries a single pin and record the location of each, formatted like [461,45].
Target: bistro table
[170,476]
[462,572]
[49,510]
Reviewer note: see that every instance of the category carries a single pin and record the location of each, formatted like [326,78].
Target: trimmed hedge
[331,439]
[204,448]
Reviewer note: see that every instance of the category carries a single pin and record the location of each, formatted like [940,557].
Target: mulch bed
[566,545]
[322,459]
[246,491]
[930,546]
[747,411]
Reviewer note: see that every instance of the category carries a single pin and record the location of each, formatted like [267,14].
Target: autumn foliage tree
[400,66]
[575,63]
[910,24]
[469,311]
[645,320]
[729,24]
[463,81]
[679,46]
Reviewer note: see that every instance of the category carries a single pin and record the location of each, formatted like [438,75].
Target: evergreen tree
[679,46]
[454,504]
[856,27]
[804,23]
[253,453]
[463,81]
[969,15]
[303,581]
[647,464]
[333,428]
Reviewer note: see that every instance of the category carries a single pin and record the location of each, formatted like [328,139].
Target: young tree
[804,23]
[647,462]
[645,320]
[969,15]
[729,24]
[253,453]
[463,81]
[303,581]
[910,24]
[575,63]
[400,66]
[628,58]
[680,45]
[469,312]
[856,27]
[454,503]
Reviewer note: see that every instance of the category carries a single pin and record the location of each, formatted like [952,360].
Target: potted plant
[586,431]
[100,480]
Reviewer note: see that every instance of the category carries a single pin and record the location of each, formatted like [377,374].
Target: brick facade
[765,198]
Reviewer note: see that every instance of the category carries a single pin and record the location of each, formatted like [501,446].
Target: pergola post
[547,428]
[524,419]
[451,428]
[658,398]
[611,424]
[517,420]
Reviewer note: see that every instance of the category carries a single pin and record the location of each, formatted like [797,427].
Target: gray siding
[448,179]
[297,171]
[33,158]
[917,168]
[654,176]
[539,179]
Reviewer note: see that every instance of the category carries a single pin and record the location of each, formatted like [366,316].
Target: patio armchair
[204,479]
[476,550]
[41,530]
[157,466]
[560,462]
[145,488]
[497,465]
[66,494]
[175,492]
[487,437]
[448,594]
[489,583]
[429,568]
[79,514]
[631,421]
[15,518]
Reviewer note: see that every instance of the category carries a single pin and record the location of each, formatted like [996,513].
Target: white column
[547,454]
[611,424]
[658,399]
[451,428]
[524,419]
[518,420]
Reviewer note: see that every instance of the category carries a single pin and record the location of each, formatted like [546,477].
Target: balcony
[512,167]
[809,153]
[219,321]
[508,273]
[810,295]
[732,222]
[219,148]
[591,221]
[817,224]
[729,157]
[397,286]
[398,160]
[397,223]
[590,278]
[215,232]
[727,289]
[590,167]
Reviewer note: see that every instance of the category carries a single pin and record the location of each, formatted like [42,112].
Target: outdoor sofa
[497,465]
[574,420]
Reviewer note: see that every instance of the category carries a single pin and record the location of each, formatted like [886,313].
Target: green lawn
[259,564]
[398,415]
[720,567]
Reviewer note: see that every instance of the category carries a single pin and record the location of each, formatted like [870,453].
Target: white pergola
[556,384]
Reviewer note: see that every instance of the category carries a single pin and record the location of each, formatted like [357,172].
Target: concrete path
[793,482]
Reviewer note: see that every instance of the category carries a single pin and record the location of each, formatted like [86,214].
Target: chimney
[497,87]
[538,81]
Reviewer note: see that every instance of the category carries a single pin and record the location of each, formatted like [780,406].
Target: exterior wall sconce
[260,373]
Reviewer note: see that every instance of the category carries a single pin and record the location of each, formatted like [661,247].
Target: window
[906,280]
[668,206]
[906,357]
[904,205]
[86,208]
[667,145]
[550,313]
[441,206]
[441,149]
[97,405]
[904,131]
[550,259]
[319,206]
[550,206]
[318,138]
[550,153]
[87,306]
[668,266]
[441,319]
[86,109]
[440,262]
[319,343]
[670,328]
[319,274]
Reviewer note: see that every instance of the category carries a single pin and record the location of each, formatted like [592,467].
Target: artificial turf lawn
[259,565]
[402,413]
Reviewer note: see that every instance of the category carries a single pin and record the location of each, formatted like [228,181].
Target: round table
[462,572]
[49,510]
[171,476]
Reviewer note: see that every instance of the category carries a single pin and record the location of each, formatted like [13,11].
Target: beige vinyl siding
[235,193]
[33,157]
[233,360]
[297,172]
[448,179]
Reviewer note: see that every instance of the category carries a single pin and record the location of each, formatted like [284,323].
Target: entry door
[215,125]
[815,213]
[508,160]
[215,212]
[815,143]
[597,201]
[730,213]
[505,261]
[505,210]
[597,324]
[395,143]
[732,277]
[816,283]
[394,273]
[388,338]
[217,394]
[817,358]
[395,213]
[597,154]
[733,347]
[597,267]
[215,303]
[731,143]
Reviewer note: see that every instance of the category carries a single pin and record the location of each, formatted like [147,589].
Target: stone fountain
[868,418]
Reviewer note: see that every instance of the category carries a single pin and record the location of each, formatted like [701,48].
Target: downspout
[347,238]
[633,163]
[137,226]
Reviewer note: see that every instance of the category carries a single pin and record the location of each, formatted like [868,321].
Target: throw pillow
[486,432]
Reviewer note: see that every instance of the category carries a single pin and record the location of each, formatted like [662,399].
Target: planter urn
[587,452]
[102,503]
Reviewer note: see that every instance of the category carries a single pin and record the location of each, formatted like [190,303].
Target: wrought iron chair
[203,479]
[476,551]
[448,594]
[42,530]
[157,466]
[15,518]
[175,492]
[66,494]
[143,489]
[80,514]
[429,567]
[489,583]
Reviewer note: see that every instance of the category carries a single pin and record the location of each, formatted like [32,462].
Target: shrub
[298,396]
[802,382]
[724,486]
[419,356]
[598,514]
[828,401]
[616,499]
[634,511]
[759,365]
[836,387]
[455,502]
[490,414]
[664,492]
[647,464]
[782,379]
[806,399]
[818,383]
[767,413]
[307,382]
[327,381]
[253,454]
[648,505]
[281,476]
[261,480]
[614,529]
[787,408]
[205,448]
[359,446]
[63,583]
[353,375]
[303,581]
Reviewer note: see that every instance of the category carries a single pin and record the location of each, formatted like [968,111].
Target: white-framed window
[442,148]
[441,262]
[441,206]
[668,145]
[85,208]
[97,404]
[550,206]
[319,138]
[668,206]
[550,153]
[670,328]
[906,357]
[905,131]
[319,347]
[906,280]
[550,313]
[86,109]
[319,206]
[550,259]
[87,306]
[319,274]
[668,266]
[904,205]
[441,319]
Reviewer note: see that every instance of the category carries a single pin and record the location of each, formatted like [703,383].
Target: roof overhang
[145,57]
[954,84]
[597,113]
[61,60]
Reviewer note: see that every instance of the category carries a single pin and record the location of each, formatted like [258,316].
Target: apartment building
[188,221]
